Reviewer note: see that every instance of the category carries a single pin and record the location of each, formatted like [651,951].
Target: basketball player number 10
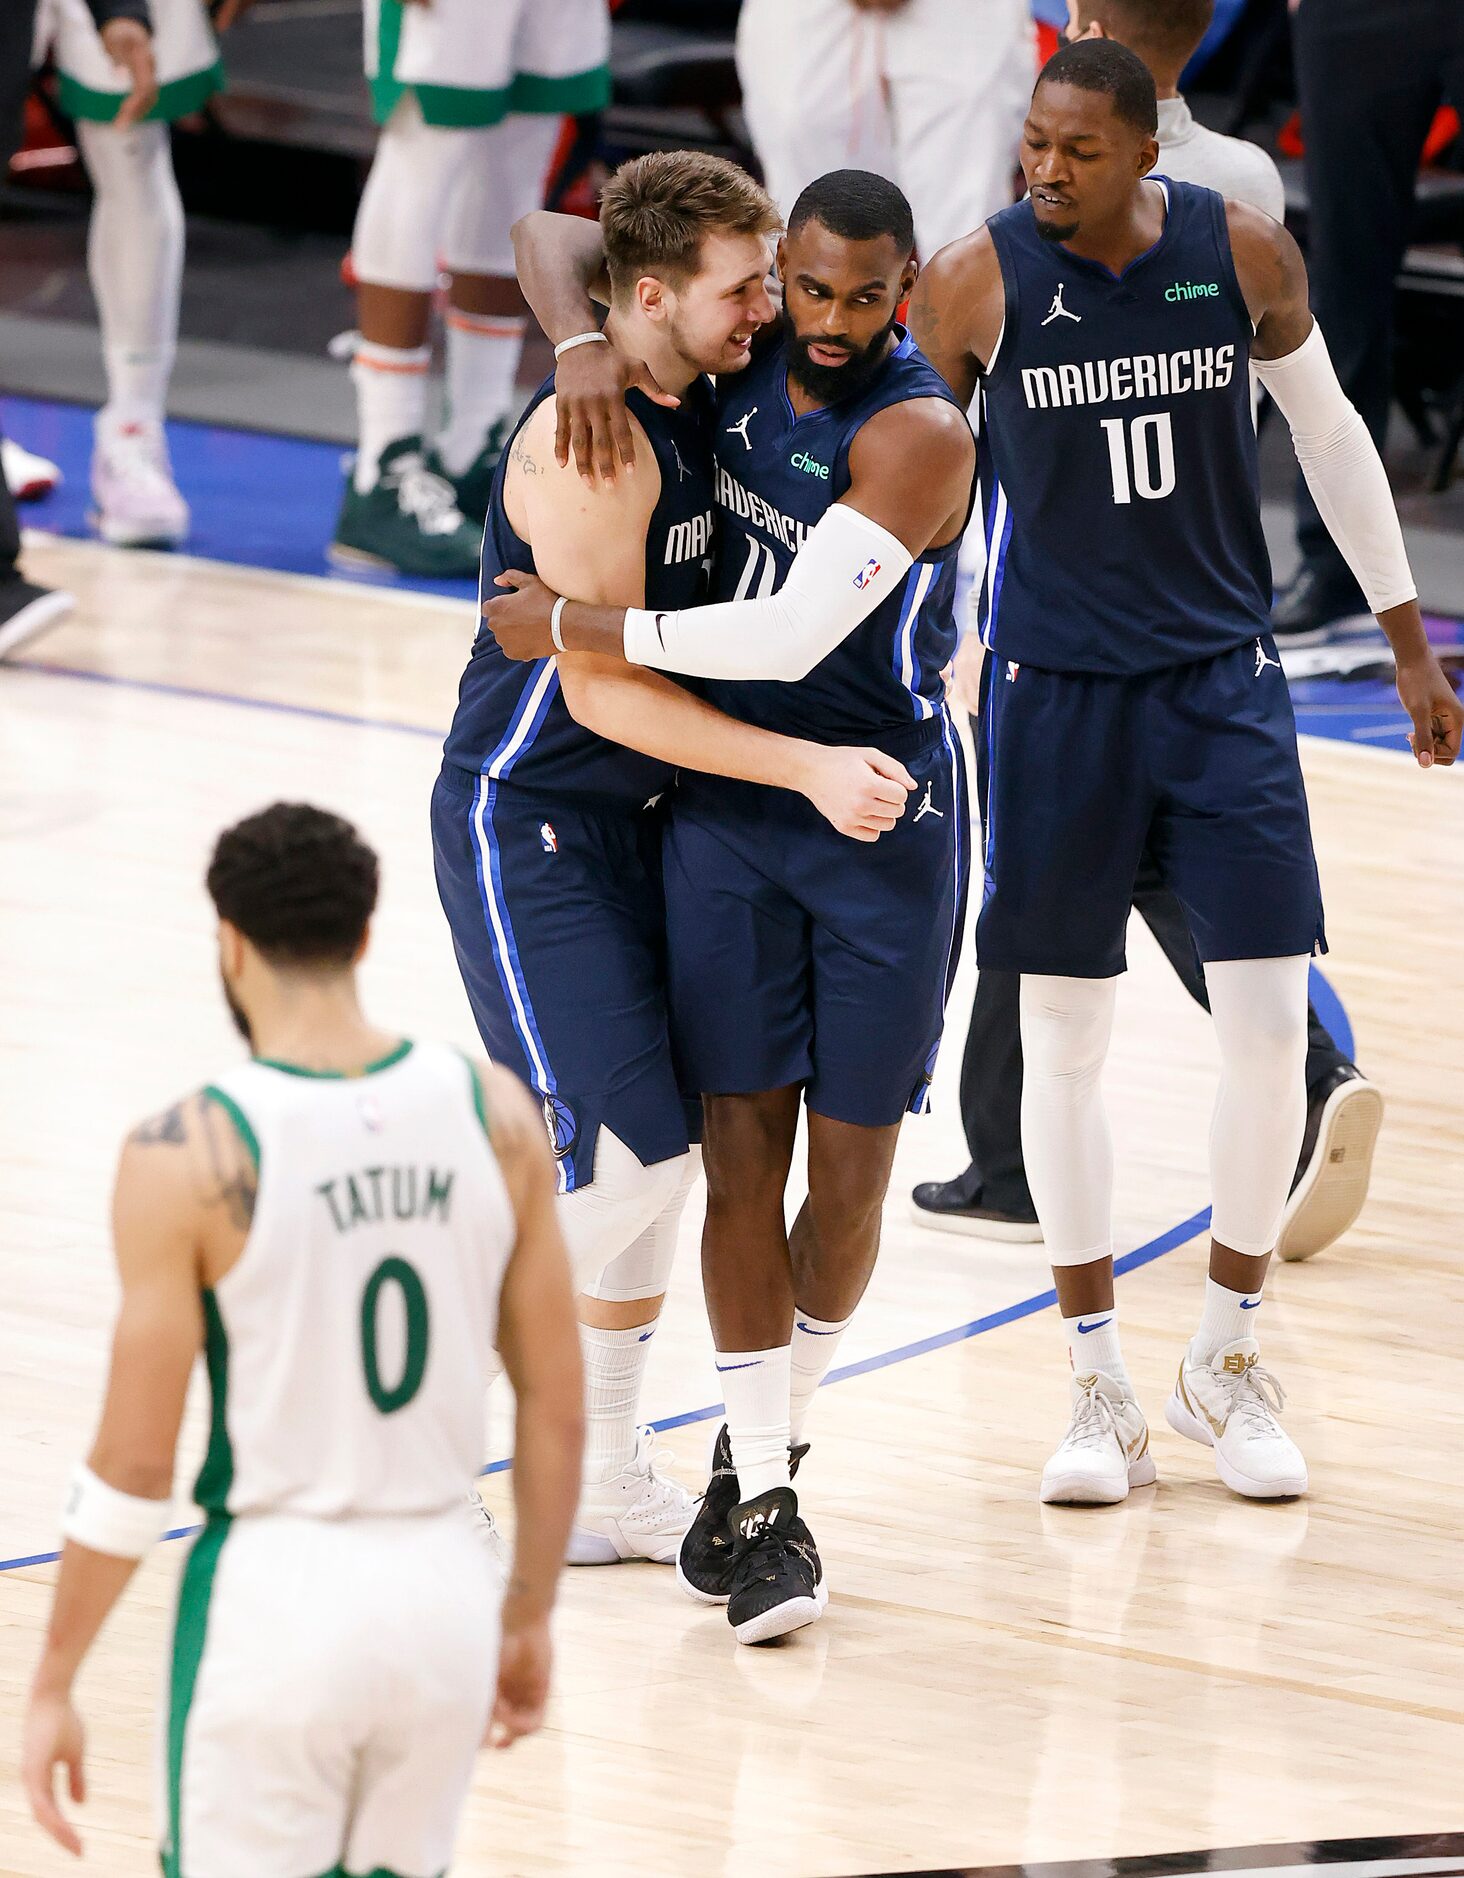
[1145,434]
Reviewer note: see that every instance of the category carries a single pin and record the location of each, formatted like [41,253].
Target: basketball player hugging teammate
[802,971]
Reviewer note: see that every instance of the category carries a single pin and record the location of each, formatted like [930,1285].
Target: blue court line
[1024,1307]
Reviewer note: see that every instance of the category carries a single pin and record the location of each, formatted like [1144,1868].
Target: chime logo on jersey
[866,574]
[809,465]
[561,1125]
[548,840]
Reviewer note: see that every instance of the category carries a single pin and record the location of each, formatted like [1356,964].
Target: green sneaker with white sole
[409,520]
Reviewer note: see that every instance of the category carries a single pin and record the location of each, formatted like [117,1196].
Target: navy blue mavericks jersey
[511,721]
[1118,452]
[777,474]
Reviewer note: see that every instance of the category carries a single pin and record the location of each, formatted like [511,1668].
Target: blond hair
[657,209]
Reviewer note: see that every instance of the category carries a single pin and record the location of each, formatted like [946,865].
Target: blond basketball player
[344,1225]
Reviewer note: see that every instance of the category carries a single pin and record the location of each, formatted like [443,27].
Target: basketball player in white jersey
[344,1225]
[134,244]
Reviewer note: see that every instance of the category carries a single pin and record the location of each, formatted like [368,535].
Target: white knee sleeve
[602,1220]
[1066,1024]
[403,213]
[503,181]
[643,1269]
[1259,1006]
[135,241]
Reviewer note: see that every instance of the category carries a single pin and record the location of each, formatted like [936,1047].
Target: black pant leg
[9,532]
[991,1093]
[1369,79]
[17,19]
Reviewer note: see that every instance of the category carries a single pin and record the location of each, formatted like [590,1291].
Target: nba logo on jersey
[1013,667]
[370,1111]
[866,574]
[548,838]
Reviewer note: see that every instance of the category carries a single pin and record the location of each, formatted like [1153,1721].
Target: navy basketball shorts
[799,956]
[558,922]
[1078,772]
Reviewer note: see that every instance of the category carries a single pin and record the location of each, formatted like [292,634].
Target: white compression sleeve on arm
[1343,470]
[844,569]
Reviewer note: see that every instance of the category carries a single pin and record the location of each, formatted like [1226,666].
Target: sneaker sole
[1083,1490]
[795,1614]
[1183,1423]
[340,555]
[118,535]
[698,1597]
[1014,1232]
[1333,1190]
[598,1548]
[39,617]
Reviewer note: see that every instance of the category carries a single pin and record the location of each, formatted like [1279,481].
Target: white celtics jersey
[349,1347]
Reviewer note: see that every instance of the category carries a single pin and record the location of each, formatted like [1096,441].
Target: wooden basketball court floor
[994,1681]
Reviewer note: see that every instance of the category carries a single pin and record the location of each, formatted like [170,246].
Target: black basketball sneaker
[704,1562]
[777,1576]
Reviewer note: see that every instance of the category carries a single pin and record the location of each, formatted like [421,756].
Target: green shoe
[409,521]
[474,488]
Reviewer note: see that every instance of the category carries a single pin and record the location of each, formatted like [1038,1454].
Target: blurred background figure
[1369,80]
[134,245]
[928,92]
[125,28]
[470,100]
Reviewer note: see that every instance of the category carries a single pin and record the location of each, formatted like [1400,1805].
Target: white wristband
[554,618]
[580,339]
[104,1520]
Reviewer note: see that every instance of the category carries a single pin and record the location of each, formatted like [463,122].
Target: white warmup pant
[329,1686]
[447,197]
[932,96]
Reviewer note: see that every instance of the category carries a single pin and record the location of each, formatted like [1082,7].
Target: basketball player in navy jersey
[801,970]
[1131,694]
[546,830]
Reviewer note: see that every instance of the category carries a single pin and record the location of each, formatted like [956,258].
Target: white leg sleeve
[403,213]
[135,260]
[1259,1006]
[601,1220]
[504,181]
[643,1269]
[1066,1024]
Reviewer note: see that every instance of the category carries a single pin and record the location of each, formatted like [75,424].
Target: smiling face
[711,316]
[840,298]
[1082,161]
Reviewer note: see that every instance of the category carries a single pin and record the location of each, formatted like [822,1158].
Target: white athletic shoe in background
[1231,1404]
[641,1513]
[1105,1450]
[137,501]
[27,476]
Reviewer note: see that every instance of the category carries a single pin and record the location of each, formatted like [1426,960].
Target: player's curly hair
[657,209]
[298,882]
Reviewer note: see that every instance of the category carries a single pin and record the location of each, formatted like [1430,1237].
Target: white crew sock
[755,1385]
[391,402]
[1093,1345]
[1227,1317]
[483,352]
[615,1361]
[815,1340]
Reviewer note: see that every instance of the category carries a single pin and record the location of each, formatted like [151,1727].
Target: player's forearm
[647,712]
[559,259]
[89,1584]
[549,1434]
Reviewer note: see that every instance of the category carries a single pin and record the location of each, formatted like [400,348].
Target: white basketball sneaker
[1105,1450]
[137,501]
[1231,1404]
[641,1513]
[27,476]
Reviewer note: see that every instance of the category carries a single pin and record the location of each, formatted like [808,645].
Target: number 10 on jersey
[1141,456]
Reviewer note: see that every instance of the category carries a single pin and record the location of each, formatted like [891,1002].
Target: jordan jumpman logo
[1057,311]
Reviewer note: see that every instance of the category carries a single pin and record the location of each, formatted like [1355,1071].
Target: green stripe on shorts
[190,1633]
[176,99]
